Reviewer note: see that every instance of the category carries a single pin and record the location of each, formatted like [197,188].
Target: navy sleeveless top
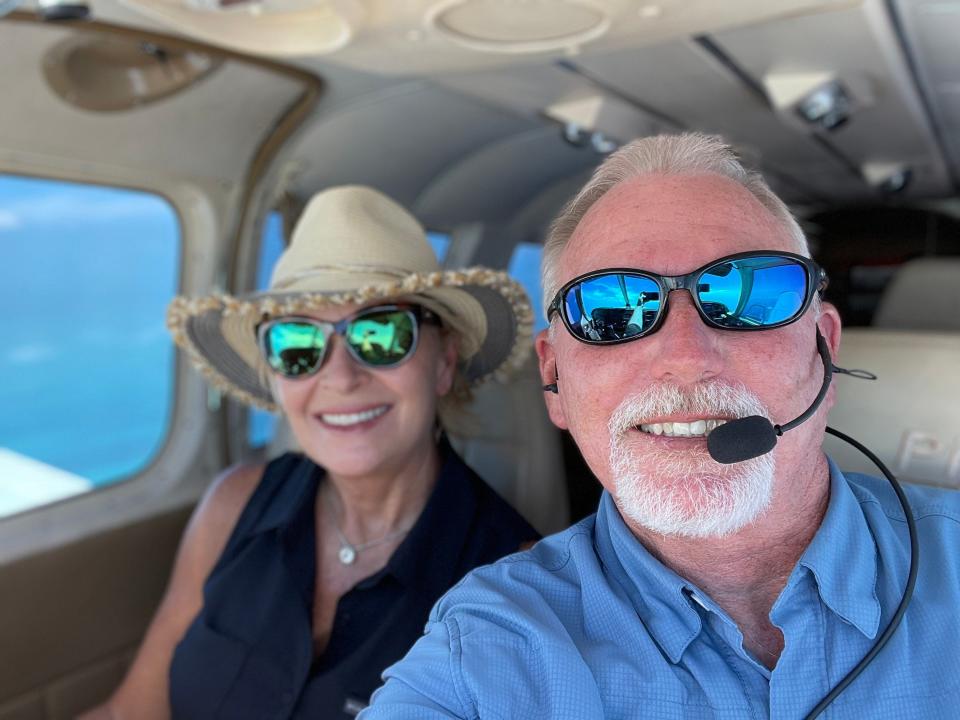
[249,652]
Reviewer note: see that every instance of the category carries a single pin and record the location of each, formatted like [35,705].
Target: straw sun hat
[353,245]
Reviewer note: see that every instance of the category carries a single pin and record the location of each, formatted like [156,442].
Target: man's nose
[688,350]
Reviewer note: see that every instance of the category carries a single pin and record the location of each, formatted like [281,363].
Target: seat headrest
[923,295]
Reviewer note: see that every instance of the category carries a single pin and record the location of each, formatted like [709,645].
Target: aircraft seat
[910,415]
[923,295]
[517,450]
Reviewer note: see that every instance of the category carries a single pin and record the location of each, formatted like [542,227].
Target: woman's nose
[340,371]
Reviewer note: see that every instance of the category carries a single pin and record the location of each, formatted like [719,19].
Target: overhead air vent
[519,26]
[103,73]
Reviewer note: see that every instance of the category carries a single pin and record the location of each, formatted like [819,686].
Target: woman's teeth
[345,419]
[697,428]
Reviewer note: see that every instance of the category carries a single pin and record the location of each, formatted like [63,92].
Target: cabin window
[86,363]
[525,267]
[262,425]
[440,242]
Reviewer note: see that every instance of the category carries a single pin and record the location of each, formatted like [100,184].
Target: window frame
[165,481]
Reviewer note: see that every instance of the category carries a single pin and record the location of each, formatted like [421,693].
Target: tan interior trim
[288,122]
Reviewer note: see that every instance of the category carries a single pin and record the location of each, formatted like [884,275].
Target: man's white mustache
[709,399]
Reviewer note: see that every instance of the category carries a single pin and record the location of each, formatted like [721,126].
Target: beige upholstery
[71,617]
[910,415]
[512,445]
[516,449]
[923,295]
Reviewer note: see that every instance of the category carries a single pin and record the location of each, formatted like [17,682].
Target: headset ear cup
[552,387]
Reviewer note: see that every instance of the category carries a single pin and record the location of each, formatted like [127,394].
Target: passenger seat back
[923,295]
[910,415]
[517,450]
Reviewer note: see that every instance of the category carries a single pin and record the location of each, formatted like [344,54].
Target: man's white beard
[686,492]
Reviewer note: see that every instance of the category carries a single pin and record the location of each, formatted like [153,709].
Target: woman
[299,581]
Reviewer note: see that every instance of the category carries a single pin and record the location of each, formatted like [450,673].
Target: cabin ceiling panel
[489,184]
[932,30]
[682,81]
[209,130]
[397,140]
[887,123]
[440,36]
[526,89]
[533,221]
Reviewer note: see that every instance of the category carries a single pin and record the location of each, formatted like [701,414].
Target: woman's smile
[352,420]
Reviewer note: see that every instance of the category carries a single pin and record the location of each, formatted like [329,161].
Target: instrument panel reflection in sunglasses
[378,337]
[756,290]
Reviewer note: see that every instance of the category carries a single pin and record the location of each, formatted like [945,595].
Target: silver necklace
[347,554]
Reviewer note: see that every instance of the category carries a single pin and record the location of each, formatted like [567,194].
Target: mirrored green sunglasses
[378,337]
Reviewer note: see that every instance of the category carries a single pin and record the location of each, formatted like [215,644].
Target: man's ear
[829,324]
[547,358]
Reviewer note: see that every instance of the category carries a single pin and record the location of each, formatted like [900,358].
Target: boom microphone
[741,439]
[753,436]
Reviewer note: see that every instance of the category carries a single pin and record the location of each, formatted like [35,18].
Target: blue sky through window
[86,367]
[525,267]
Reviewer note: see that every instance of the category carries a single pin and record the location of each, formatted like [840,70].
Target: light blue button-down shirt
[589,625]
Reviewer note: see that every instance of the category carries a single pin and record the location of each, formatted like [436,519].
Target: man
[700,589]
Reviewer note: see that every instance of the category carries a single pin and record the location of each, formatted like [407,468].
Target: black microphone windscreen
[741,439]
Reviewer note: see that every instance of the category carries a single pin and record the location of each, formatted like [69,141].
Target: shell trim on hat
[183,315]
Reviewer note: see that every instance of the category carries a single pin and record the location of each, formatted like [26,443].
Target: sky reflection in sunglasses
[748,291]
[380,337]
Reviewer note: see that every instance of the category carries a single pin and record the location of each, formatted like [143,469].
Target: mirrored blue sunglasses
[756,290]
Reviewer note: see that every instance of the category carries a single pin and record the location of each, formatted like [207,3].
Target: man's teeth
[344,419]
[697,428]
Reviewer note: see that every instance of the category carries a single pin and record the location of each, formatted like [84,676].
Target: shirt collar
[843,558]
[448,514]
[659,596]
[429,556]
[296,494]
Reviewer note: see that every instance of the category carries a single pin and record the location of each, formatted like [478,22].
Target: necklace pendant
[347,555]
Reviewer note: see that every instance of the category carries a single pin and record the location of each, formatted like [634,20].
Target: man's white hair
[686,154]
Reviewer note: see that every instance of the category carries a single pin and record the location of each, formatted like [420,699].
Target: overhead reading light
[575,135]
[63,9]
[602,144]
[828,106]
[889,178]
[595,120]
[818,99]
